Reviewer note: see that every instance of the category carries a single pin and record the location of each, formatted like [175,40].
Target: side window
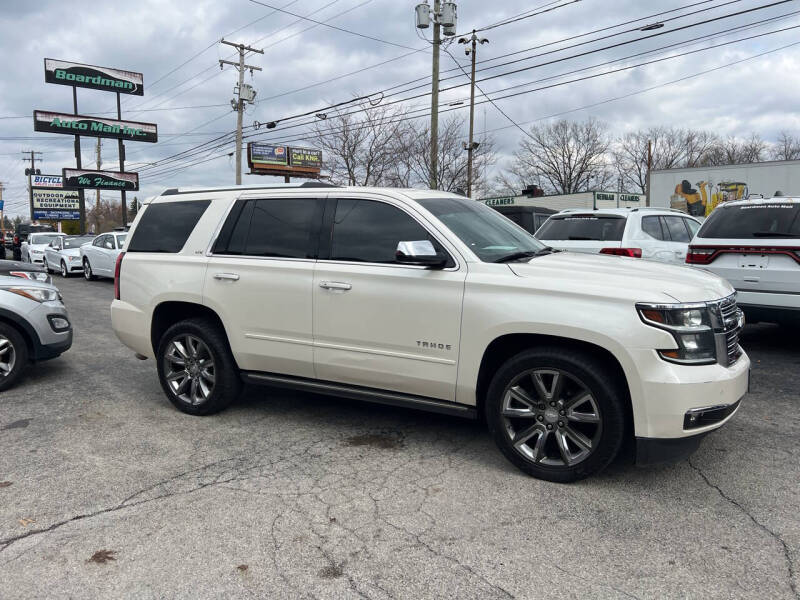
[281,228]
[98,241]
[652,227]
[369,231]
[165,226]
[693,226]
[676,228]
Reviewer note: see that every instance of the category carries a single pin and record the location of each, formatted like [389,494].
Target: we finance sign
[93,77]
[50,122]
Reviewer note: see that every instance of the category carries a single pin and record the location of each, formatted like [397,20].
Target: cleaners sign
[90,76]
[100,180]
[50,122]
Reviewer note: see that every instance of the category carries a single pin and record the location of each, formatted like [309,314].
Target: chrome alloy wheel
[551,417]
[189,369]
[8,356]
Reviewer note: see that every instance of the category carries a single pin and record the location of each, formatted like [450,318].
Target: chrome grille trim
[728,327]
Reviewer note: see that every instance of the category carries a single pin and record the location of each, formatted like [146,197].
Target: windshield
[754,221]
[121,240]
[76,242]
[43,238]
[488,234]
[583,227]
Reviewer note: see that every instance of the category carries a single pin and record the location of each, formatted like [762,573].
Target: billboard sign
[267,155]
[46,181]
[92,77]
[56,205]
[52,122]
[81,179]
[305,157]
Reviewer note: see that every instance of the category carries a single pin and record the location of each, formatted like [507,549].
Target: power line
[528,16]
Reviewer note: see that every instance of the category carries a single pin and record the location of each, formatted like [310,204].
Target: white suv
[429,300]
[660,234]
[755,245]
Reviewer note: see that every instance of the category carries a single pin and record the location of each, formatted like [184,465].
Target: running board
[365,394]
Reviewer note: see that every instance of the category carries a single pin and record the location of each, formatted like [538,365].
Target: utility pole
[97,199]
[30,173]
[243,94]
[444,16]
[649,166]
[471,146]
[2,221]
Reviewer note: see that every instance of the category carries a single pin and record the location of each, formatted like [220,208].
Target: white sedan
[63,255]
[99,258]
[32,250]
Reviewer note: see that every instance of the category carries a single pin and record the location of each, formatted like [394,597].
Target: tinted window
[676,228]
[652,227]
[165,227]
[98,241]
[753,221]
[369,231]
[281,228]
[583,227]
[121,240]
[693,226]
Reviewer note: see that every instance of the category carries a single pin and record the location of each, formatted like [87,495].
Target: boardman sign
[50,122]
[82,179]
[90,76]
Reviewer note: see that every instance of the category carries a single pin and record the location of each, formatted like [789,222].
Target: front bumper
[656,451]
[48,343]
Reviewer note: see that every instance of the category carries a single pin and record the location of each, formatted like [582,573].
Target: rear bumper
[132,327]
[770,307]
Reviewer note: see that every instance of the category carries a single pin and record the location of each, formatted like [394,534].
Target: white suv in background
[430,300]
[651,233]
[755,245]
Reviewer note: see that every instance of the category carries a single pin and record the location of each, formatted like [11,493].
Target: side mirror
[421,253]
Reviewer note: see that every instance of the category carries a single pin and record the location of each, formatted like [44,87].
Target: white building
[587,200]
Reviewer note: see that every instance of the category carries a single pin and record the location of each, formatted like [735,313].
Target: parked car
[14,268]
[34,326]
[63,255]
[99,257]
[427,299]
[651,233]
[755,245]
[530,218]
[34,246]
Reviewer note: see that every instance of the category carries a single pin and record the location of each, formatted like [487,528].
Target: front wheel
[87,270]
[196,368]
[64,271]
[13,355]
[556,413]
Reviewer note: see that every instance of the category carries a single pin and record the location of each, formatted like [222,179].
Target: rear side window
[165,226]
[280,228]
[652,227]
[583,227]
[753,221]
[677,229]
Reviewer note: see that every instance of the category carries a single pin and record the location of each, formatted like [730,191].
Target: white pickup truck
[430,300]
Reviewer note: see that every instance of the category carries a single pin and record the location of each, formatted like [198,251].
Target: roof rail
[273,186]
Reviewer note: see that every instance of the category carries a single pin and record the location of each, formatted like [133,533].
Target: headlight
[37,294]
[690,325]
[74,258]
[37,251]
[33,275]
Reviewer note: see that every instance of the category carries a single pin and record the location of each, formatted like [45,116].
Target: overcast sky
[153,37]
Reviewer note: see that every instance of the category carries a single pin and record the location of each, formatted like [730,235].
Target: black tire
[609,407]
[64,271]
[87,270]
[227,383]
[20,349]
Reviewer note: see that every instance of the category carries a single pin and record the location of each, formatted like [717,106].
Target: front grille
[730,326]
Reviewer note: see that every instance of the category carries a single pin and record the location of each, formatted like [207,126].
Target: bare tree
[360,148]
[563,157]
[787,147]
[734,151]
[413,166]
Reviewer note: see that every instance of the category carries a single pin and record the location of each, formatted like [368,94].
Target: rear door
[378,323]
[259,280]
[655,243]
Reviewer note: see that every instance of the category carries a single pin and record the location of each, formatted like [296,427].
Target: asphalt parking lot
[106,491]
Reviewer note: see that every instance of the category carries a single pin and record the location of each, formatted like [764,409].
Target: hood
[629,278]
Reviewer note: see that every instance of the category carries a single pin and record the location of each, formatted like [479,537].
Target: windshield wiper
[774,234]
[525,254]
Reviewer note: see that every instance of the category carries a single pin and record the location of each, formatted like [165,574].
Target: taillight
[117,269]
[700,256]
[629,252]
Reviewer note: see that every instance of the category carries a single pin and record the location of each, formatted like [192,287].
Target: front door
[259,279]
[378,323]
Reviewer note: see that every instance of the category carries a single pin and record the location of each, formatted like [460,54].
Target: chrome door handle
[230,276]
[335,285]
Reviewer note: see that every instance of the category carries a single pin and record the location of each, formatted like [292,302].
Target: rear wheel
[13,355]
[87,270]
[556,413]
[196,368]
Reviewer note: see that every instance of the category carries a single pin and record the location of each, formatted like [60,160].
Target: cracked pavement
[296,495]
